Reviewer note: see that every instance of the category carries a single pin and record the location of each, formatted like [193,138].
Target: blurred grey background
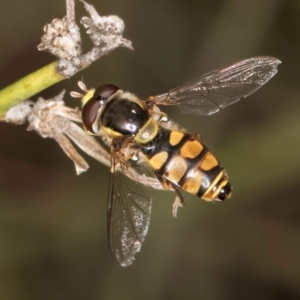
[53,242]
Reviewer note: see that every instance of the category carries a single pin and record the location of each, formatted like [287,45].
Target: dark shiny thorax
[124,116]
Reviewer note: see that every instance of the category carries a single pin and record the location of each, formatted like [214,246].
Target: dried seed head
[104,31]
[41,119]
[19,113]
[59,41]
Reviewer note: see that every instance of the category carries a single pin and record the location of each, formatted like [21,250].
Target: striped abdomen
[180,159]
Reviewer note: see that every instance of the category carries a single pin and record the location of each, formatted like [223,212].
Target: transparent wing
[128,217]
[209,93]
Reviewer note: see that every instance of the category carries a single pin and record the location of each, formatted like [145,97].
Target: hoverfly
[136,129]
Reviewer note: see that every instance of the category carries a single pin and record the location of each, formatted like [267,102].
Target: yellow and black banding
[181,159]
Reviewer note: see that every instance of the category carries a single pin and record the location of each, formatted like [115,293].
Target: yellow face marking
[209,162]
[89,94]
[158,160]
[175,137]
[176,168]
[193,183]
[191,149]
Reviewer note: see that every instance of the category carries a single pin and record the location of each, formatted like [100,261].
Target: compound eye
[225,192]
[92,106]
[103,92]
[89,113]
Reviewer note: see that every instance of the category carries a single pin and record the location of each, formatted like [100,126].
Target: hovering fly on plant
[136,130]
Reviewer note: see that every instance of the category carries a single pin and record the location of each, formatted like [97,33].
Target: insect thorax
[124,116]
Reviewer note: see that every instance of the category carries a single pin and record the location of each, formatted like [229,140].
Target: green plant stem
[28,86]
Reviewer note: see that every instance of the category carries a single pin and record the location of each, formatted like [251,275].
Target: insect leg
[178,194]
[179,200]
